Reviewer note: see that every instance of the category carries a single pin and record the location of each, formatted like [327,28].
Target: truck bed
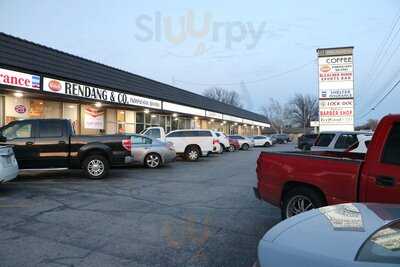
[328,171]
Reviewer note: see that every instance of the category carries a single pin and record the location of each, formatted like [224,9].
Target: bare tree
[276,114]
[224,96]
[369,125]
[303,109]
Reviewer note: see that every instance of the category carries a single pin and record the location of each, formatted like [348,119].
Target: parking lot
[184,214]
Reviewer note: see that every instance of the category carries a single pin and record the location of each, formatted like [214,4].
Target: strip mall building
[40,82]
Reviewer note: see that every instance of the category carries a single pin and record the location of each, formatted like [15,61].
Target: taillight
[215,141]
[170,146]
[127,144]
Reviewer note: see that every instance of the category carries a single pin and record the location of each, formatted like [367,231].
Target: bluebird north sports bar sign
[98,94]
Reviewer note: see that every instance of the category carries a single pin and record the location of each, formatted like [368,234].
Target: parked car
[337,141]
[282,138]
[361,146]
[306,141]
[233,144]
[8,164]
[189,143]
[151,152]
[52,143]
[300,181]
[223,141]
[244,142]
[346,235]
[262,140]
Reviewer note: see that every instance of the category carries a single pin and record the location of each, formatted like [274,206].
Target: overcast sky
[261,49]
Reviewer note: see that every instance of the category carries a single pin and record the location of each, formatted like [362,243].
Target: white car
[337,141]
[223,141]
[244,142]
[191,143]
[346,235]
[8,164]
[261,140]
[361,146]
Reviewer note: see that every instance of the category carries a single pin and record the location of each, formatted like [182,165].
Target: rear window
[155,133]
[346,140]
[50,129]
[324,139]
[138,140]
[202,133]
[391,152]
[175,134]
[383,246]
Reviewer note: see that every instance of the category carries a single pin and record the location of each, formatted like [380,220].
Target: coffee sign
[97,94]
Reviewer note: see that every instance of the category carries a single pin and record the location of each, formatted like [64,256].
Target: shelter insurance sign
[97,94]
[336,89]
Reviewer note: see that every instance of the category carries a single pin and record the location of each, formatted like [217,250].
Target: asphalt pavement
[184,214]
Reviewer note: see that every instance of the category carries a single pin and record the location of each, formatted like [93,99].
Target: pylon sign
[336,89]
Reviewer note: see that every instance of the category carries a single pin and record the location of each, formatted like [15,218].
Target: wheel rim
[192,154]
[153,161]
[231,148]
[95,167]
[297,205]
[245,146]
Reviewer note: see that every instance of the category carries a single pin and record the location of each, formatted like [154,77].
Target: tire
[152,161]
[192,153]
[231,148]
[300,199]
[223,149]
[245,146]
[267,144]
[96,167]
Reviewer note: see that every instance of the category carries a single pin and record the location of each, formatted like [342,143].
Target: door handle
[29,143]
[385,181]
[61,142]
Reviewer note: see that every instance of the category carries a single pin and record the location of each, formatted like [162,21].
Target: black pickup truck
[52,143]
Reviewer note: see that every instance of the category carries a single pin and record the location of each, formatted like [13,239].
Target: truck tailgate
[334,175]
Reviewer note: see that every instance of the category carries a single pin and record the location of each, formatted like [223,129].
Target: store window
[126,121]
[92,119]
[24,108]
[71,112]
[140,125]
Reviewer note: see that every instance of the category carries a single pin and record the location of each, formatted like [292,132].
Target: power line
[382,99]
[381,53]
[251,81]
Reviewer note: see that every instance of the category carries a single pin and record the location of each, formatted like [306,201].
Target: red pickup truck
[300,181]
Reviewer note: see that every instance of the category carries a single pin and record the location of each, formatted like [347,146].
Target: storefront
[30,91]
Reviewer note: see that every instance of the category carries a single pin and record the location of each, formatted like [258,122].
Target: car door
[140,147]
[21,135]
[53,144]
[381,177]
[178,140]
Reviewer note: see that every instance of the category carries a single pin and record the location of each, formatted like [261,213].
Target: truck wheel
[152,161]
[231,148]
[96,167]
[192,153]
[300,199]
[245,147]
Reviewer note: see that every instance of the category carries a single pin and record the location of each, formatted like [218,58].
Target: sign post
[336,89]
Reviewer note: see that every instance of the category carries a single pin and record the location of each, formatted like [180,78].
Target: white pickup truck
[190,143]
